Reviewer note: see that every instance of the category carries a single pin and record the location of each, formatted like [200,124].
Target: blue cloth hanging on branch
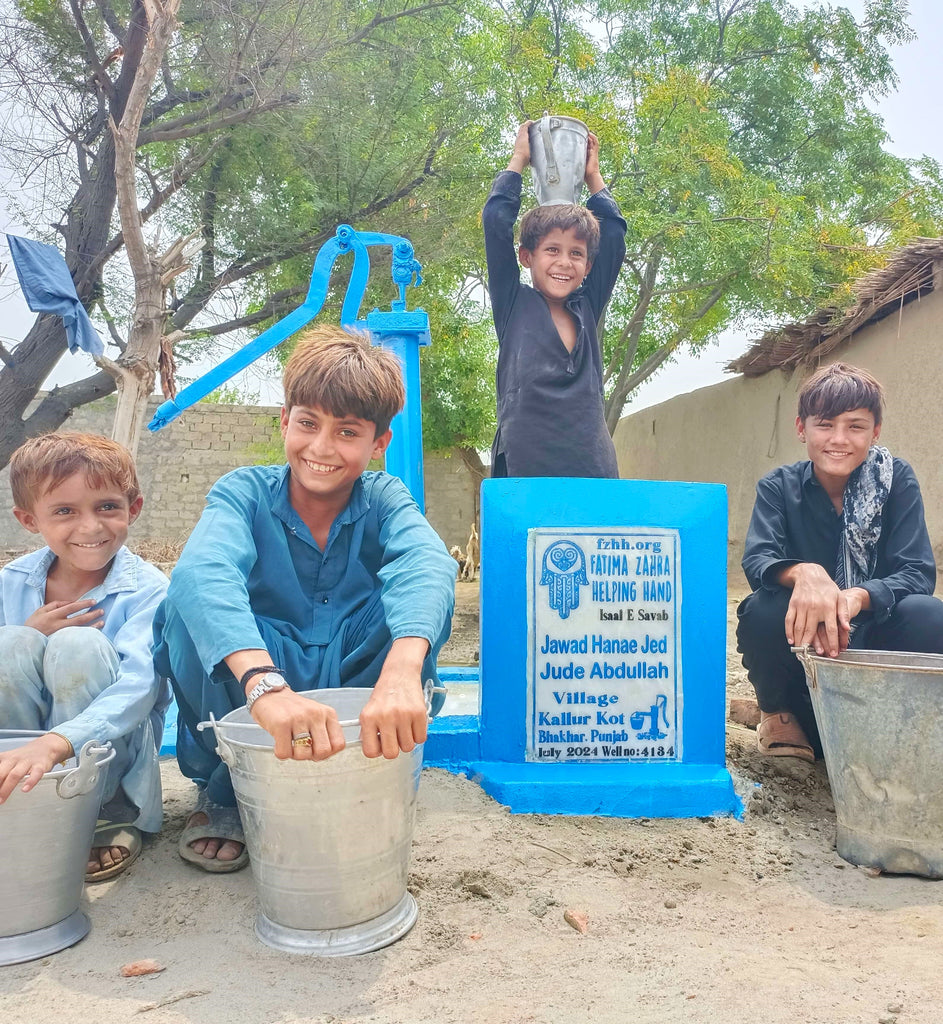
[48,288]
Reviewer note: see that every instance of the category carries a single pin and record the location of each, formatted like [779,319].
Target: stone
[577,919]
[138,967]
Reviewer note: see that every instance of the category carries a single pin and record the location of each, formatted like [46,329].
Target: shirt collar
[809,478]
[356,507]
[122,576]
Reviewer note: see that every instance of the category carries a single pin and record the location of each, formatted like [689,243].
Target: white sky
[908,117]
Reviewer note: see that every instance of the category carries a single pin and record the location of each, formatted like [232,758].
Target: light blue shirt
[251,555]
[128,596]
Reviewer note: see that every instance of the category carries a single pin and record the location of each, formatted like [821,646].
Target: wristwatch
[268,683]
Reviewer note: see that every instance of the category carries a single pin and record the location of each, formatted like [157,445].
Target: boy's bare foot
[116,847]
[102,858]
[212,838]
[218,849]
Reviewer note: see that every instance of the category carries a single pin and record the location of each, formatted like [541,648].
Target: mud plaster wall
[179,464]
[737,431]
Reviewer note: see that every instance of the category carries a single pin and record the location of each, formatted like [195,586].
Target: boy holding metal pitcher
[551,417]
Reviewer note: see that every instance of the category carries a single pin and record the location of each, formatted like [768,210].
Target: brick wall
[179,464]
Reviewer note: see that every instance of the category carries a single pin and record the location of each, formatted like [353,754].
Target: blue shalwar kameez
[252,576]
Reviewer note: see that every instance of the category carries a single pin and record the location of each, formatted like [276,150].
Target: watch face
[272,681]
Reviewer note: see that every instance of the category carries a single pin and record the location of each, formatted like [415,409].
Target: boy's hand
[31,762]
[593,178]
[290,717]
[55,615]
[395,717]
[813,616]
[520,157]
[850,603]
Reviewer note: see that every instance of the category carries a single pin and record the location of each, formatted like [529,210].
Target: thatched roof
[907,275]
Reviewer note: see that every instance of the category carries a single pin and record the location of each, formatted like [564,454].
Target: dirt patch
[709,921]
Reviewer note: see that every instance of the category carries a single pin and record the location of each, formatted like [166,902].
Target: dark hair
[839,388]
[343,374]
[43,462]
[541,220]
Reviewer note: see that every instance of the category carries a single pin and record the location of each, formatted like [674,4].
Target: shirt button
[324,600]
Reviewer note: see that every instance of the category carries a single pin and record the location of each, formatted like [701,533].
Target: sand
[686,920]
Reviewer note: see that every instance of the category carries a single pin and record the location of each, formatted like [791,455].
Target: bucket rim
[862,663]
[236,727]
[560,117]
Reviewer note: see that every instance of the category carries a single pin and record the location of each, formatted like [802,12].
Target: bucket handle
[804,654]
[225,751]
[546,123]
[83,778]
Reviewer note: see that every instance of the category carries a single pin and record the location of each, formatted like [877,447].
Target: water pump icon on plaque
[604,664]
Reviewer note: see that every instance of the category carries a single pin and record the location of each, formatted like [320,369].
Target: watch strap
[264,686]
[247,675]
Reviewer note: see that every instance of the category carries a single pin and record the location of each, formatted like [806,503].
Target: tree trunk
[479,471]
[135,371]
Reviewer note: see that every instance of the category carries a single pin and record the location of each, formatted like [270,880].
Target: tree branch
[189,126]
[377,20]
[171,100]
[179,176]
[99,74]
[618,398]
[110,19]
[237,271]
[57,406]
[278,304]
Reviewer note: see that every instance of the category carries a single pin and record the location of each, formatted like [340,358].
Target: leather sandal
[779,734]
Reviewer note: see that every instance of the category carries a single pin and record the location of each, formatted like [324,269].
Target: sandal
[110,834]
[222,823]
[780,735]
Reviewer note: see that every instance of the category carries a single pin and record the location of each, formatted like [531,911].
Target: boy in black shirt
[837,554]
[551,419]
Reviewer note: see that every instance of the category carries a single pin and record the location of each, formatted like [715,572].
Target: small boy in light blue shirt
[299,577]
[76,625]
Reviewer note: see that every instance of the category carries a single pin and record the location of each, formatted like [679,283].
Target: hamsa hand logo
[563,573]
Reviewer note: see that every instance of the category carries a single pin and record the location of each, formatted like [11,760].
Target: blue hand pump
[399,329]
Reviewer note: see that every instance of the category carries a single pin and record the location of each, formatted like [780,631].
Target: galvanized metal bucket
[329,841]
[558,159]
[880,717]
[45,836]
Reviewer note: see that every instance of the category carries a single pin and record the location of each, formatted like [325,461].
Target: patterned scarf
[862,508]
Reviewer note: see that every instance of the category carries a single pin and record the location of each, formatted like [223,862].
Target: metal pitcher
[329,841]
[880,718]
[45,836]
[558,159]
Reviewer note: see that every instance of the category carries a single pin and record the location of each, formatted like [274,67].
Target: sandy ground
[688,920]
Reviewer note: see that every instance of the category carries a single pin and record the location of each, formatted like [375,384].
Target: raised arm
[498,218]
[612,227]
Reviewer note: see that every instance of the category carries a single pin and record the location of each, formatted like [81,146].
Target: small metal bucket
[45,836]
[329,841]
[558,159]
[880,718]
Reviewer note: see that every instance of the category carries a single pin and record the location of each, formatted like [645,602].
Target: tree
[735,136]
[757,174]
[263,129]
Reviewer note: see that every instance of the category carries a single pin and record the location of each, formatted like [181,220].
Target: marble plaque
[604,651]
